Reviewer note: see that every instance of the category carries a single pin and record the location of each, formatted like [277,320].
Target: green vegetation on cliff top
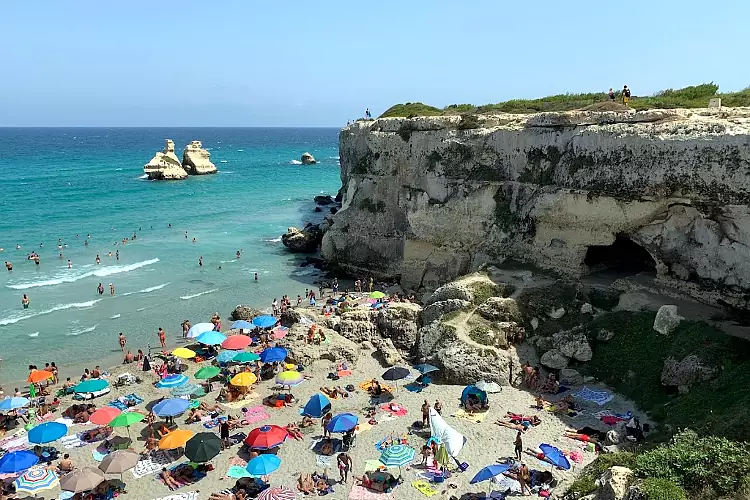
[696,96]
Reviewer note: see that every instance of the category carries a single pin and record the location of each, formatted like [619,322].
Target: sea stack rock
[165,165]
[308,159]
[195,159]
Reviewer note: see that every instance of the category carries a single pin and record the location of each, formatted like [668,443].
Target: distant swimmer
[36,260]
[170,224]
[65,245]
[59,247]
[109,254]
[61,255]
[238,254]
[186,235]
[100,289]
[88,236]
[18,247]
[117,255]
[111,290]
[41,245]
[193,240]
[135,236]
[25,301]
[200,261]
[98,260]
[86,243]
[256,276]
[70,264]
[9,266]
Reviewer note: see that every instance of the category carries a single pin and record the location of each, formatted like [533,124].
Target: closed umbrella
[199,328]
[203,447]
[36,479]
[207,372]
[171,381]
[39,376]
[226,356]
[241,324]
[17,461]
[127,419]
[236,342]
[266,437]
[175,439]
[263,465]
[273,354]
[277,493]
[397,456]
[243,379]
[80,480]
[104,415]
[13,403]
[317,406]
[555,456]
[211,338]
[343,422]
[264,321]
[171,407]
[184,353]
[93,385]
[47,432]
[119,461]
[245,357]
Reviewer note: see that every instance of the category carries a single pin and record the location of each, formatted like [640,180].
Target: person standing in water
[122,341]
[256,276]
[70,264]
[162,338]
[98,260]
[238,254]
[25,301]
[100,289]
[200,261]
[9,266]
[112,289]
[117,254]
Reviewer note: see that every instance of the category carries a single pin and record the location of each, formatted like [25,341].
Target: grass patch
[411,109]
[482,335]
[483,290]
[661,489]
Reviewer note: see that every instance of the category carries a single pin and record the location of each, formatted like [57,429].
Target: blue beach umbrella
[47,432]
[317,406]
[226,356]
[555,456]
[211,338]
[262,465]
[17,461]
[397,455]
[171,381]
[264,321]
[13,403]
[241,324]
[424,369]
[272,354]
[489,472]
[171,407]
[93,385]
[342,422]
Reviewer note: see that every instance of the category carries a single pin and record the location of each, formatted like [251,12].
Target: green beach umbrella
[245,357]
[207,372]
[92,385]
[377,295]
[126,419]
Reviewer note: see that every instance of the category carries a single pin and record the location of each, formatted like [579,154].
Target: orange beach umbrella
[38,376]
[175,439]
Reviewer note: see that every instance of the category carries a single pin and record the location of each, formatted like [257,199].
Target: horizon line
[167,126]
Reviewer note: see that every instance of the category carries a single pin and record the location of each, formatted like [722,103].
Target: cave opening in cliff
[623,256]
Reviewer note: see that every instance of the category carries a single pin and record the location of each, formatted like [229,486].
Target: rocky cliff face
[196,161]
[427,199]
[165,165]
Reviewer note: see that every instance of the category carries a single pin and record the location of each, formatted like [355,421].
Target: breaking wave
[10,320]
[72,278]
[188,297]
[147,290]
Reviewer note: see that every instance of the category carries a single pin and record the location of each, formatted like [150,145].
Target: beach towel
[154,463]
[237,438]
[213,422]
[471,417]
[344,373]
[323,461]
[15,443]
[316,445]
[400,412]
[121,402]
[362,427]
[362,493]
[254,415]
[197,476]
[235,405]
[71,441]
[424,488]
[366,385]
[188,495]
[599,397]
[65,421]
[99,454]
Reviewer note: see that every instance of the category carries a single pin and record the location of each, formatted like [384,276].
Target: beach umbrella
[290,378]
[555,455]
[376,295]
[236,342]
[207,372]
[425,369]
[126,419]
[92,385]
[39,376]
[280,332]
[175,439]
[395,373]
[47,432]
[241,324]
[36,479]
[266,437]
[203,447]
[211,338]
[262,465]
[183,352]
[171,381]
[489,387]
[81,480]
[245,357]
[489,472]
[343,422]
[277,493]
[317,406]
[264,321]
[243,379]
[226,356]
[273,354]
[119,461]
[171,407]
[397,455]
[104,415]
[17,461]
[188,390]
[199,328]
[13,403]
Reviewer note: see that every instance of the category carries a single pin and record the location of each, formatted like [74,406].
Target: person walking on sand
[611,95]
[345,465]
[122,341]
[369,284]
[162,338]
[224,435]
[524,476]
[518,446]
[425,413]
[25,301]
[625,95]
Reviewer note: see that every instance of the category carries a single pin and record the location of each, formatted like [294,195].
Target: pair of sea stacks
[166,166]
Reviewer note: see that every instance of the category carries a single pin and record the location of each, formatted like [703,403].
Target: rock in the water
[614,483]
[437,309]
[300,351]
[683,374]
[500,309]
[304,240]
[324,199]
[573,344]
[398,322]
[554,359]
[165,165]
[307,159]
[667,319]
[195,159]
[587,308]
[569,376]
[246,313]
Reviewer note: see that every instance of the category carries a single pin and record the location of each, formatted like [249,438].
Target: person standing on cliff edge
[625,95]
[611,95]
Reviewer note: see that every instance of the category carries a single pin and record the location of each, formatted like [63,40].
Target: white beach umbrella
[198,329]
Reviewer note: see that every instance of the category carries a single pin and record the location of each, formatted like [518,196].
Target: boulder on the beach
[554,360]
[573,344]
[245,313]
[454,290]
[304,240]
[307,159]
[569,376]
[165,165]
[304,353]
[324,199]
[357,325]
[436,310]
[614,483]
[682,374]
[195,159]
[667,319]
[387,352]
[398,322]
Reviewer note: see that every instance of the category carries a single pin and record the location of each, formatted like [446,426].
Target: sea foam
[10,320]
[72,278]
[295,162]
[147,290]
[76,333]
[188,297]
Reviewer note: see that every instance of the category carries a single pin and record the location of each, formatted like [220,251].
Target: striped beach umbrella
[36,479]
[397,455]
[226,356]
[277,493]
[188,390]
[171,381]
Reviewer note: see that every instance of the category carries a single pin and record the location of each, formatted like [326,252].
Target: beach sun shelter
[472,390]
[317,406]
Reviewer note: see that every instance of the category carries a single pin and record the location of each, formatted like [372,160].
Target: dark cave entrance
[623,256]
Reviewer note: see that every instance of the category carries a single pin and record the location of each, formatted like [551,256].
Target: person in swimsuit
[9,266]
[200,261]
[25,301]
[345,465]
[162,338]
[100,289]
[111,290]
[123,341]
[98,260]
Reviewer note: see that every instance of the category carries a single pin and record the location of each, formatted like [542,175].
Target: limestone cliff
[429,198]
[165,164]
[196,161]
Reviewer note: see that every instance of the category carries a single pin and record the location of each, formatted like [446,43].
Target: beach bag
[350,387]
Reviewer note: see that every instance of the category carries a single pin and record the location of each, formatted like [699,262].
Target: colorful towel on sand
[254,415]
[99,454]
[211,423]
[366,385]
[237,438]
[362,427]
[373,465]
[344,373]
[323,461]
[236,405]
[424,488]
[154,463]
[188,495]
[599,397]
[197,476]
[121,403]
[394,409]
[471,417]
[71,441]
[362,493]
[15,443]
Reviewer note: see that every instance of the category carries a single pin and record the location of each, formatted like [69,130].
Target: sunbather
[65,465]
[473,403]
[305,484]
[169,479]
[510,425]
[307,422]
[581,437]
[96,434]
[551,385]
[294,432]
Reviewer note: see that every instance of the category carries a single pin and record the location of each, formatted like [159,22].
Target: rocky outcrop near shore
[427,199]
[305,240]
[308,159]
[165,165]
[195,159]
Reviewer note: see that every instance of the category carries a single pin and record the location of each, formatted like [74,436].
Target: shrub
[661,489]
[586,481]
[469,122]
[482,335]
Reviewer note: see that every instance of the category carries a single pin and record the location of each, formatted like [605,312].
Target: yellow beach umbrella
[244,379]
[289,377]
[183,352]
[175,439]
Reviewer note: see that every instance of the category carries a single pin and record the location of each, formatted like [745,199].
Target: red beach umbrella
[236,342]
[103,416]
[266,437]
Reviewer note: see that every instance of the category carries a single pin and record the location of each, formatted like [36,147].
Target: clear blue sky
[319,63]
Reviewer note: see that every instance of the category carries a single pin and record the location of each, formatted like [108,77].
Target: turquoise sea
[67,184]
